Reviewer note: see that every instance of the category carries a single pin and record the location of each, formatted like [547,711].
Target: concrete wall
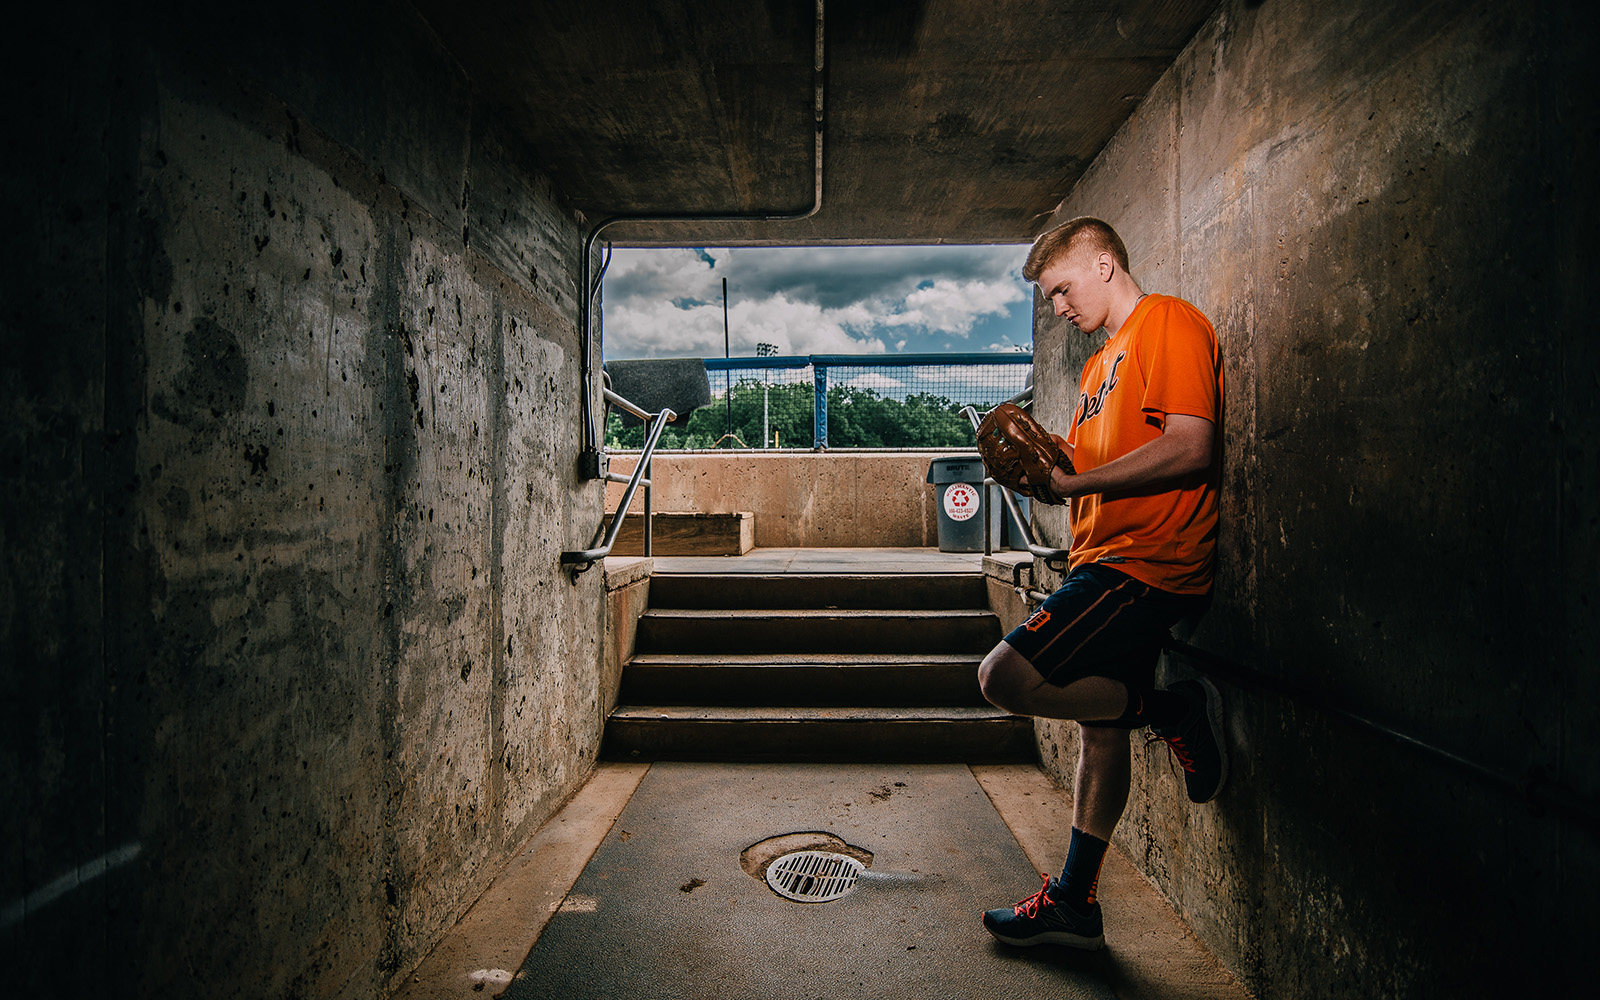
[627,583]
[1387,210]
[800,499]
[289,447]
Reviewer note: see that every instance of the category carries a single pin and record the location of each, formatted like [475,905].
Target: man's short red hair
[1081,232]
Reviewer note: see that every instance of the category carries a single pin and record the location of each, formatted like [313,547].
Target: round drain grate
[813,876]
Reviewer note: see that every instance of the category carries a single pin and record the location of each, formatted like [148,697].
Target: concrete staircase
[813,668]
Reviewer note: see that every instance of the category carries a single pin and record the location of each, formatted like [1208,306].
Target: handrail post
[988,522]
[649,521]
[819,434]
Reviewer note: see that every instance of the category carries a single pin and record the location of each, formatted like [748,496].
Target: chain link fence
[840,401]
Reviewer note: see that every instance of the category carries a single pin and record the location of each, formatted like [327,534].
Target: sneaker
[1196,742]
[1039,919]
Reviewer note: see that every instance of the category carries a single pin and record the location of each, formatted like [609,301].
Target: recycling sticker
[960,501]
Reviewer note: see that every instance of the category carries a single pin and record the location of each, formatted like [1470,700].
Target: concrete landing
[664,908]
[841,560]
[1149,954]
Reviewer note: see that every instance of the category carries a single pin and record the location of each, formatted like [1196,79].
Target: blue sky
[817,300]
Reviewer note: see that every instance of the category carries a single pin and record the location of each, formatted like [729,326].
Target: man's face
[1075,283]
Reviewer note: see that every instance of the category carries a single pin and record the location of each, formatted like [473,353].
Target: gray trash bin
[958,493]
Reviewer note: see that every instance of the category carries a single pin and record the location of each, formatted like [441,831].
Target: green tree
[857,418]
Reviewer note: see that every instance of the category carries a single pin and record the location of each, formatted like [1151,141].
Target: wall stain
[212,381]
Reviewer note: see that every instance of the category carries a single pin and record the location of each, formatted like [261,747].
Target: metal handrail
[605,538]
[1049,555]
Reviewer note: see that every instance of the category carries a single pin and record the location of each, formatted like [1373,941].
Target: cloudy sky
[817,300]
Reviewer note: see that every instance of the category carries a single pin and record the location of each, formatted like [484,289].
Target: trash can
[958,487]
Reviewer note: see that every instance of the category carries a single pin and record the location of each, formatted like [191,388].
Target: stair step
[802,679]
[965,734]
[807,630]
[926,592]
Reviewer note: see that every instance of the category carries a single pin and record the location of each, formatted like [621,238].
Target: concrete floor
[665,910]
[636,890]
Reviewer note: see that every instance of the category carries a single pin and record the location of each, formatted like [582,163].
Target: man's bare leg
[1100,794]
[1104,775]
[1010,682]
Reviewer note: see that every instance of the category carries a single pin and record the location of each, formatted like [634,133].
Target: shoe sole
[1214,717]
[1054,937]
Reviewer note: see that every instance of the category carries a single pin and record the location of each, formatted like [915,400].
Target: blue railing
[979,379]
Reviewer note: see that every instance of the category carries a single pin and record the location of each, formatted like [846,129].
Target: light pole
[765,351]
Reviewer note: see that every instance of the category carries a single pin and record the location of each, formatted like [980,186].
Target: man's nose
[1060,304]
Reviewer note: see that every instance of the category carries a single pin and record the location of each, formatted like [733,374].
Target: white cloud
[804,300]
[954,306]
[667,330]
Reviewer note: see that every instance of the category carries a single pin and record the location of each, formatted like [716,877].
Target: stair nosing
[813,713]
[915,613]
[799,659]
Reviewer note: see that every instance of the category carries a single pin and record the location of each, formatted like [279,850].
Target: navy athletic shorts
[1102,623]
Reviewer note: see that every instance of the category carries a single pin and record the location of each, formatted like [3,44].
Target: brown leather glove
[1015,446]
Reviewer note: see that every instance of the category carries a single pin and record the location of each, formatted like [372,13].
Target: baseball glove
[1014,446]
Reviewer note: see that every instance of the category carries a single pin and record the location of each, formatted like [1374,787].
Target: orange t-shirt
[1163,360]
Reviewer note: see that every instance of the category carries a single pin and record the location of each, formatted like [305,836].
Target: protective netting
[868,405]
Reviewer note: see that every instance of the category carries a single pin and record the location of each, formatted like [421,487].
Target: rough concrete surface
[294,668]
[666,910]
[1377,207]
[802,499]
[938,123]
[483,949]
[627,585]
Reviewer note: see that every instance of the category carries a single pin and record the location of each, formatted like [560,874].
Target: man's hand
[1020,454]
[1184,448]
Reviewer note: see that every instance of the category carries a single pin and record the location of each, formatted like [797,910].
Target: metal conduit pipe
[1532,787]
[590,463]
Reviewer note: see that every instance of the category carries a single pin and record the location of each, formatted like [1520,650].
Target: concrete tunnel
[292,443]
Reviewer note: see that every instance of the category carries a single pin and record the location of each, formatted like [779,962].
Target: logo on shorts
[1036,623]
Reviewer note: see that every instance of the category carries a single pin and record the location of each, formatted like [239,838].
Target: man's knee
[1005,677]
[1102,739]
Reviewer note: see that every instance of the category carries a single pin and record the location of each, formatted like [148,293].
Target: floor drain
[813,876]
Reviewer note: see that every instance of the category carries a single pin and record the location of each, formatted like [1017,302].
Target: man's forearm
[1183,449]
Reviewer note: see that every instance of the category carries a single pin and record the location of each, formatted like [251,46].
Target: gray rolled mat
[678,383]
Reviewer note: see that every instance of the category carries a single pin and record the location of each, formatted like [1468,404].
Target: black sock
[1153,708]
[1081,876]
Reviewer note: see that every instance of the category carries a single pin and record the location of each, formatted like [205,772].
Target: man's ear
[1105,267]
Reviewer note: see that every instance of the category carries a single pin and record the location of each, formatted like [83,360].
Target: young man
[1142,480]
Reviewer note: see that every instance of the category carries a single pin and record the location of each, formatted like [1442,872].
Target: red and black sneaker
[1196,742]
[1040,919]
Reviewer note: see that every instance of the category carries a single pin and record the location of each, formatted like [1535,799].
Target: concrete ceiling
[954,121]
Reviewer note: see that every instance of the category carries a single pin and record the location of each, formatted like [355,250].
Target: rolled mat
[677,383]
